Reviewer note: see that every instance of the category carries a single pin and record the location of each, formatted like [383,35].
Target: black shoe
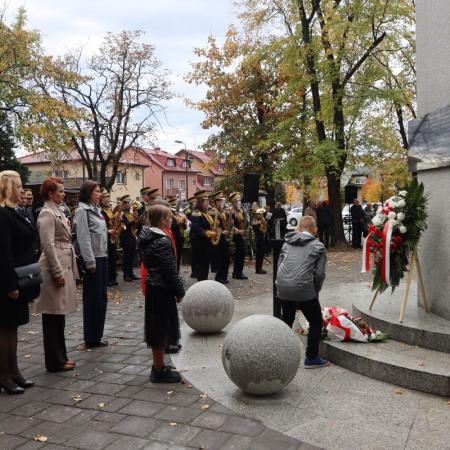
[112,283]
[97,344]
[223,281]
[134,277]
[11,388]
[172,349]
[164,375]
[261,271]
[21,382]
[127,279]
[241,277]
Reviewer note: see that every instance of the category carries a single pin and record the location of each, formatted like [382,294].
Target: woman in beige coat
[59,270]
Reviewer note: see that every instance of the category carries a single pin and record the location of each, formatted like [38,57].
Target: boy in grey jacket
[300,276]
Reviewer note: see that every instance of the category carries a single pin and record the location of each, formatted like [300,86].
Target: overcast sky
[175,27]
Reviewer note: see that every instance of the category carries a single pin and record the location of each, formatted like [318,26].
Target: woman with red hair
[59,270]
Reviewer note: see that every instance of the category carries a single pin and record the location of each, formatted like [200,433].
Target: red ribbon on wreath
[386,253]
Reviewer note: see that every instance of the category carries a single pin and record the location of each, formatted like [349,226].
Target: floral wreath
[394,235]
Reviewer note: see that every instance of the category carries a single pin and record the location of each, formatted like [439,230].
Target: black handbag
[29,279]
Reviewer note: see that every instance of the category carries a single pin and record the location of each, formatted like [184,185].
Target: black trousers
[357,231]
[95,302]
[201,250]
[313,312]
[324,235]
[55,352]
[239,255]
[129,247]
[179,246]
[112,261]
[223,259]
[260,249]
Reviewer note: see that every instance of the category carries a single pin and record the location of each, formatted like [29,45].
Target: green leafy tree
[8,160]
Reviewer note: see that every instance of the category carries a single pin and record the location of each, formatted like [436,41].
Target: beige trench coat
[57,260]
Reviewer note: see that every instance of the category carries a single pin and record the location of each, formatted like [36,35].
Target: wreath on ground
[394,234]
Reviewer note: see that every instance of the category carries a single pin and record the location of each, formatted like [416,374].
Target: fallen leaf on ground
[169,392]
[399,392]
[27,356]
[203,396]
[189,386]
[173,424]
[204,407]
[40,438]
[77,398]
[101,405]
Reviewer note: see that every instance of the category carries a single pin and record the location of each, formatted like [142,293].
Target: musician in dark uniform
[239,229]
[127,236]
[188,213]
[223,226]
[259,226]
[107,212]
[177,227]
[201,234]
[148,194]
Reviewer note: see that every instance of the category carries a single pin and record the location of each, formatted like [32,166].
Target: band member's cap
[172,201]
[235,196]
[201,194]
[217,196]
[152,192]
[105,193]
[28,192]
[125,198]
[258,211]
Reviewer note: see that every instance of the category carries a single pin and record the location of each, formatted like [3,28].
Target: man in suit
[358,216]
[201,234]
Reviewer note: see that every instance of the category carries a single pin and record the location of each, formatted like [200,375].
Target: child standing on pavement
[164,289]
[300,276]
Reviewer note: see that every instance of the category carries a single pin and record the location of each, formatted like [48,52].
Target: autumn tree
[120,91]
[337,43]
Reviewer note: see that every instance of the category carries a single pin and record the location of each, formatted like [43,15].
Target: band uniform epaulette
[196,213]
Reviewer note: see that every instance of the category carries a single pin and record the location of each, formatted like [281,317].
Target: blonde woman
[16,250]
[59,270]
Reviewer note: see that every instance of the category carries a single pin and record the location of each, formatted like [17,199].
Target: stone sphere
[261,354]
[208,306]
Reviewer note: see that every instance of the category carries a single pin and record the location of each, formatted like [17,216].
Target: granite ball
[261,354]
[208,306]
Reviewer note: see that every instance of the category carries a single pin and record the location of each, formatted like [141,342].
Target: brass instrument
[118,227]
[258,219]
[216,229]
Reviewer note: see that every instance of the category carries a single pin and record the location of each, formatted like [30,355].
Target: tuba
[217,229]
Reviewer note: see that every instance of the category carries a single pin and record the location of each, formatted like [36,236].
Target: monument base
[434,252]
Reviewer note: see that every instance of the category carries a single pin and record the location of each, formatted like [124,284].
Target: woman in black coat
[17,236]
[164,289]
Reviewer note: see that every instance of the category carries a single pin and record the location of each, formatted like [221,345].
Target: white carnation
[403,193]
[380,211]
[393,222]
[392,215]
[377,221]
[403,229]
[401,203]
[400,216]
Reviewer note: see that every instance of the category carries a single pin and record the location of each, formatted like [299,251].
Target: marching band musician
[222,220]
[188,213]
[177,227]
[259,226]
[108,214]
[127,235]
[239,228]
[201,234]
[148,194]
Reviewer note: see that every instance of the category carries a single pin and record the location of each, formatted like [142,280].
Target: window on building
[181,184]
[121,177]
[171,162]
[208,181]
[60,173]
[137,176]
[221,166]
[194,182]
[169,183]
[186,164]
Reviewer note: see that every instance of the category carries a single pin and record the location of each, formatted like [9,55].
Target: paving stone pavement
[107,402]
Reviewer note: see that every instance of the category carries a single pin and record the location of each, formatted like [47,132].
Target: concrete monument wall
[430,145]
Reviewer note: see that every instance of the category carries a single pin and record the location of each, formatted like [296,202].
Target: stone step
[419,328]
[394,362]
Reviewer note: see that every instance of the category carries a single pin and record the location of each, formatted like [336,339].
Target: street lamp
[186,162]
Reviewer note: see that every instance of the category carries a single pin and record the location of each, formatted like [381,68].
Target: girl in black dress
[17,235]
[164,289]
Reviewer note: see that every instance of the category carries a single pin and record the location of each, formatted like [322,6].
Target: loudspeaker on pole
[251,188]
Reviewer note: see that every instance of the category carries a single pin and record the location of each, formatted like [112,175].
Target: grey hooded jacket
[91,234]
[301,267]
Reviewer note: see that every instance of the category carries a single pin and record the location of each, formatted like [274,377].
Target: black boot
[164,375]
